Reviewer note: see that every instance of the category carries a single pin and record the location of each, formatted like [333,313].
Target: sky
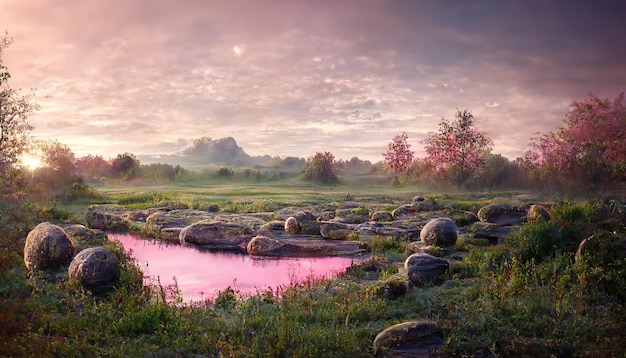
[292,78]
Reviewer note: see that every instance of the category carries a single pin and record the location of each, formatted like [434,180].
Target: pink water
[200,274]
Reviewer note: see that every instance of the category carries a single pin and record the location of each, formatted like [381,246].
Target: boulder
[158,223]
[382,216]
[402,210]
[308,222]
[106,217]
[96,268]
[536,212]
[424,268]
[419,338]
[216,235]
[440,231]
[491,212]
[292,226]
[273,225]
[336,231]
[419,206]
[47,247]
[262,245]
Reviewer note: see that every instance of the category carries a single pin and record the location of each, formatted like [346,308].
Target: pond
[201,274]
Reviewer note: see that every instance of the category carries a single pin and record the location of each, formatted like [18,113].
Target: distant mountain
[223,151]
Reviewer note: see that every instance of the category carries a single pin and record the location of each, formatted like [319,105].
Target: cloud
[293,77]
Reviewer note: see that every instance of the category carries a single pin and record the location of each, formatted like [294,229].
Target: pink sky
[291,78]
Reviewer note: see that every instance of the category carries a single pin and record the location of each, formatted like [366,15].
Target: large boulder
[216,235]
[47,247]
[96,268]
[440,231]
[262,245]
[423,268]
[417,338]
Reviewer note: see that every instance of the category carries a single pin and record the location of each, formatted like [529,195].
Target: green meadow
[527,296]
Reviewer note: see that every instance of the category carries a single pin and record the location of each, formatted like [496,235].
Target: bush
[321,168]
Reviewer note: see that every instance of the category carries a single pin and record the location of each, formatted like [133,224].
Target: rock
[417,338]
[417,199]
[292,226]
[262,245]
[424,268]
[274,225]
[216,235]
[419,206]
[83,237]
[308,222]
[159,223]
[106,217]
[352,215]
[536,212]
[494,233]
[440,231]
[47,247]
[336,231]
[392,287]
[382,216]
[490,212]
[607,247]
[402,210]
[96,268]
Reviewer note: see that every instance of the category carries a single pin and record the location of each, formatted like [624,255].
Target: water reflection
[201,274]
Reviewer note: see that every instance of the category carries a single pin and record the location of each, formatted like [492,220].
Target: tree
[58,175]
[457,150]
[92,167]
[589,150]
[14,126]
[399,155]
[59,157]
[125,166]
[321,168]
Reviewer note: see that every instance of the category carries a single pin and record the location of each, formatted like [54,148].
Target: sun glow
[31,162]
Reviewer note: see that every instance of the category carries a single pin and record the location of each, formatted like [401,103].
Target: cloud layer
[291,78]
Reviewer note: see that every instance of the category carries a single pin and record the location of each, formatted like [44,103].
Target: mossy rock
[419,338]
[47,247]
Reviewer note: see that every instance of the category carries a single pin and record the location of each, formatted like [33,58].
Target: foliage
[497,172]
[399,155]
[458,149]
[14,126]
[321,168]
[125,166]
[58,177]
[92,168]
[588,152]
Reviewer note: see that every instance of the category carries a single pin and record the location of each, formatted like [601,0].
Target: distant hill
[223,151]
[205,152]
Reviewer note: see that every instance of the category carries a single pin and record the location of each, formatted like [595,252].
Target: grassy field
[525,297]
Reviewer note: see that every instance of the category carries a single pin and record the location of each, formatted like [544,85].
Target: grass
[528,296]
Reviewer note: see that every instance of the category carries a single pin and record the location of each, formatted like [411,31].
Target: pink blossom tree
[589,150]
[457,150]
[399,155]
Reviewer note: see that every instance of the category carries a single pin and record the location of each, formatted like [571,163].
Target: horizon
[290,79]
